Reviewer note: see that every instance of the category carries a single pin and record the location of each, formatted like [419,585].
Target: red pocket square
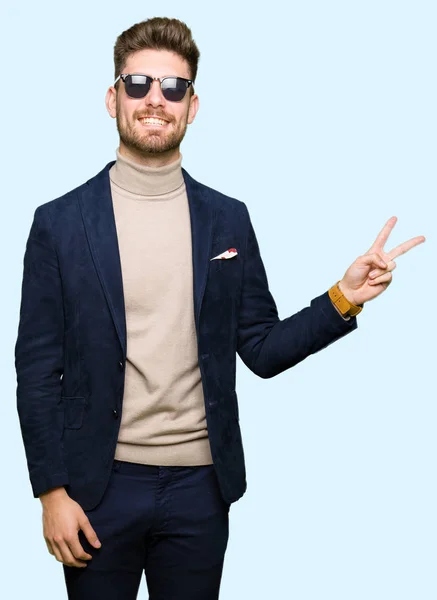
[230,253]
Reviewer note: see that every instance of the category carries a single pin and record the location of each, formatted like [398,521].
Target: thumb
[89,532]
[373,259]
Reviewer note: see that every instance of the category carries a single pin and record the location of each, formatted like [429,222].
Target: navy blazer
[70,352]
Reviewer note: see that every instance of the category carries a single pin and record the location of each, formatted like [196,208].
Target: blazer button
[121,365]
[115,413]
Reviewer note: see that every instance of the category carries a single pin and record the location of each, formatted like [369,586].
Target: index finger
[383,234]
[77,550]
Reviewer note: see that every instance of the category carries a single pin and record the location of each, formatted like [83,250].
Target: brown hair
[157,33]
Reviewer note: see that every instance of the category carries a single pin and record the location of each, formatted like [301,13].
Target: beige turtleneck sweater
[163,418]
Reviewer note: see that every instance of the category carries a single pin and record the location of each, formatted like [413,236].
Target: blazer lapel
[202,220]
[96,207]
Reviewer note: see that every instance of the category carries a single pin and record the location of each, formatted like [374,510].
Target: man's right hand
[62,519]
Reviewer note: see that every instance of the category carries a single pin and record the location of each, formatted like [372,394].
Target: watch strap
[345,307]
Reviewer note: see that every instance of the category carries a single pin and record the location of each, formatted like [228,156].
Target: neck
[150,159]
[145,180]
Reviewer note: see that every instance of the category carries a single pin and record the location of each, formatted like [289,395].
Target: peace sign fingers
[382,237]
[370,274]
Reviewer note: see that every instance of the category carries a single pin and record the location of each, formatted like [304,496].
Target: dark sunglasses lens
[137,86]
[174,89]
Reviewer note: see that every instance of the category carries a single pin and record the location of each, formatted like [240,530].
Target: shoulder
[67,202]
[218,199]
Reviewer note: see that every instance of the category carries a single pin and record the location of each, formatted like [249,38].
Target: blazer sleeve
[269,345]
[39,358]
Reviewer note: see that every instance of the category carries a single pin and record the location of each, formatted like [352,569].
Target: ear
[111,101]
[194,107]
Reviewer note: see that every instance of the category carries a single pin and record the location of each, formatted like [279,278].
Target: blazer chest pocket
[225,276]
[74,407]
[224,264]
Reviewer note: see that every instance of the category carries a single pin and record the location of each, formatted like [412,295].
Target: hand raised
[369,275]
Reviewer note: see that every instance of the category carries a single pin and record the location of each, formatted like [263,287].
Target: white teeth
[153,121]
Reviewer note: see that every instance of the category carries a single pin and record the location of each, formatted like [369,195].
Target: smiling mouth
[152,122]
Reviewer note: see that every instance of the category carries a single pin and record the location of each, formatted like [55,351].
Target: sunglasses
[138,86]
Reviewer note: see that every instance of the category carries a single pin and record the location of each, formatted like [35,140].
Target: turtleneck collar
[146,181]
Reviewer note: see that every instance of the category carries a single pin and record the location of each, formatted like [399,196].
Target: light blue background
[335,133]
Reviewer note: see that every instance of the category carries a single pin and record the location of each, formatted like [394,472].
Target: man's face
[141,140]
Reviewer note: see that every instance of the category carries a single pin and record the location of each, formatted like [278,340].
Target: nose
[154,95]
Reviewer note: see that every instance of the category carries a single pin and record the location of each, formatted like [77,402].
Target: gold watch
[346,308]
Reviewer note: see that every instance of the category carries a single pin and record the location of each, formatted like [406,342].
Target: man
[139,287]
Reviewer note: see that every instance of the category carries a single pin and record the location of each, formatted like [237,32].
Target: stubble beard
[149,141]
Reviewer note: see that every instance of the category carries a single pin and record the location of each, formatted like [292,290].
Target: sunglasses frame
[188,82]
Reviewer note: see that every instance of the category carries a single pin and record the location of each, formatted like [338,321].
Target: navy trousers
[170,522]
